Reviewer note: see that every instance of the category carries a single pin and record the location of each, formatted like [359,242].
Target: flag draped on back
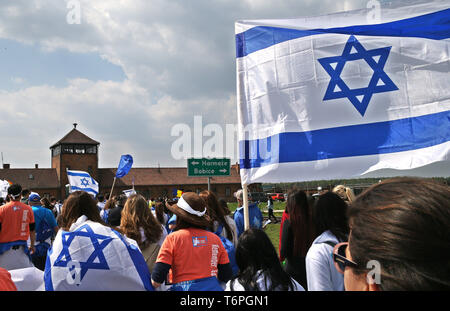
[126,161]
[94,257]
[80,180]
[338,96]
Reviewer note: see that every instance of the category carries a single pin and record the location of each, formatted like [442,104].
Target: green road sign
[208,167]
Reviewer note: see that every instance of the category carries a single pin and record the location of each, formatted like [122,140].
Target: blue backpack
[231,250]
[43,232]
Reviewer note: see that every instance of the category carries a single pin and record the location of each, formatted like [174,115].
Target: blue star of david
[337,88]
[84,182]
[84,231]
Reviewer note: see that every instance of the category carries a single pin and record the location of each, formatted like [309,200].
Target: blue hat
[34,197]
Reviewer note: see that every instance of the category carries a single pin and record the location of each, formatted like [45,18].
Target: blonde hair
[344,192]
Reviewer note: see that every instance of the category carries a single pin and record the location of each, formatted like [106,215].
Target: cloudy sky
[127,73]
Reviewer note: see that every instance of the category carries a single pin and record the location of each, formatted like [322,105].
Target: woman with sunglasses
[399,237]
[329,217]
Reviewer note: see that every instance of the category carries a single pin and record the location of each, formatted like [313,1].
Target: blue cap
[34,197]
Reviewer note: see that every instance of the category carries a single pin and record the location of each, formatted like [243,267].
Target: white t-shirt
[261,284]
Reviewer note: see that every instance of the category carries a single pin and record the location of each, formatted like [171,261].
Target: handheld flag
[126,161]
[338,96]
[129,192]
[91,257]
[80,180]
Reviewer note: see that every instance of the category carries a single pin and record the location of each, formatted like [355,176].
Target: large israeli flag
[82,181]
[93,257]
[342,95]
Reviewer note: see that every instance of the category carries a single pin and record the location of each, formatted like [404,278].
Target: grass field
[272,230]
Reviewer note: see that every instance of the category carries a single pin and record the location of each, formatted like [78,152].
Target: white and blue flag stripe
[94,257]
[82,181]
[336,97]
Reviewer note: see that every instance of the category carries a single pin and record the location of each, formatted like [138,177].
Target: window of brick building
[91,149]
[68,149]
[56,151]
[79,149]
[227,192]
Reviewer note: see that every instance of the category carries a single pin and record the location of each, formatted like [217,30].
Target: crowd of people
[393,236]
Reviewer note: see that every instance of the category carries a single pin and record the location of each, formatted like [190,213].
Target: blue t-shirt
[255,218]
[41,213]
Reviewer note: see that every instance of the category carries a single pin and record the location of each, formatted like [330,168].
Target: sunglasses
[340,259]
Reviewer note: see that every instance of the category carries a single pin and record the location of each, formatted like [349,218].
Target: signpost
[205,167]
[208,167]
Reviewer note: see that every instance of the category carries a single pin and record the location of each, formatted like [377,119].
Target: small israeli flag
[93,257]
[129,192]
[82,181]
[341,95]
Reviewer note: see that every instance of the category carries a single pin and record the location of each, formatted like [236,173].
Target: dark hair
[46,203]
[25,192]
[330,213]
[121,200]
[52,199]
[180,223]
[77,204]
[100,197]
[14,189]
[403,223]
[255,252]
[215,212]
[301,221]
[224,205]
[159,212]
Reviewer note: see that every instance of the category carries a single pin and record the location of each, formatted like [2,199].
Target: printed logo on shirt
[199,241]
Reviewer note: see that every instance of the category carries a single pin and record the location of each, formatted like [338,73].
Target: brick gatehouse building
[76,151]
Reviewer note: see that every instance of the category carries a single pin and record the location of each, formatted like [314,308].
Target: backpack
[43,232]
[229,247]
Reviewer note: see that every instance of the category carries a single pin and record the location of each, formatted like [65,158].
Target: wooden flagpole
[112,188]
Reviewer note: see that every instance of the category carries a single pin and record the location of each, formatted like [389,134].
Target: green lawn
[272,230]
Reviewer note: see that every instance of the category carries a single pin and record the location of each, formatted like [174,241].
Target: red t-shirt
[6,283]
[15,218]
[193,254]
